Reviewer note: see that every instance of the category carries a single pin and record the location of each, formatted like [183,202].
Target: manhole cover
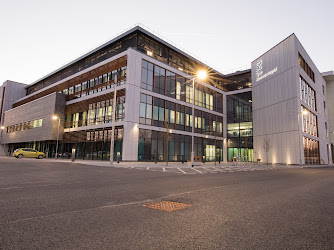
[167,206]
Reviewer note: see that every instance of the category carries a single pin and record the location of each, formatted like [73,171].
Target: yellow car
[28,152]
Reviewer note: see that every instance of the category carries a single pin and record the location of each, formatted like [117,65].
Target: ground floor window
[88,145]
[240,154]
[311,151]
[155,145]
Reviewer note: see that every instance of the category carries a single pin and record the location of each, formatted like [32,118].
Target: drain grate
[167,206]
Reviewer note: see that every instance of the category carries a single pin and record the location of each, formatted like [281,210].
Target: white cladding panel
[330,99]
[276,104]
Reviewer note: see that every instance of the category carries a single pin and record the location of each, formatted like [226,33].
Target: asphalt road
[53,205]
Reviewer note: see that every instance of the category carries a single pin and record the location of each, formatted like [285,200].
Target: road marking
[164,169]
[197,170]
[147,168]
[182,170]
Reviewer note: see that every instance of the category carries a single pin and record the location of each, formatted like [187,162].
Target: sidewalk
[172,164]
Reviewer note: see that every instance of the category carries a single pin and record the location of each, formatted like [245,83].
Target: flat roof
[129,31]
[328,76]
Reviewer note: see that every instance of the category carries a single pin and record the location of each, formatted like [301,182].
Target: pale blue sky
[39,36]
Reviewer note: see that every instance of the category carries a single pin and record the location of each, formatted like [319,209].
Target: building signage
[259,71]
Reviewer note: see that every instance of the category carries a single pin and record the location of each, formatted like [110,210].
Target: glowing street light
[201,74]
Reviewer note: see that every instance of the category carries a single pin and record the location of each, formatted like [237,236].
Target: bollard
[73,155]
[219,159]
[203,159]
[182,160]
[156,159]
[118,157]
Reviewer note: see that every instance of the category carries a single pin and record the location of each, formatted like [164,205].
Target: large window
[240,127]
[158,112]
[307,94]
[159,80]
[25,125]
[311,151]
[306,67]
[147,76]
[146,102]
[171,84]
[309,122]
[164,82]
[96,113]
[153,145]
[96,84]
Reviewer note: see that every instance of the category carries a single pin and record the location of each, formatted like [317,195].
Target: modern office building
[275,111]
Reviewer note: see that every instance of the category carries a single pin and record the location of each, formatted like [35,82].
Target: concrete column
[132,105]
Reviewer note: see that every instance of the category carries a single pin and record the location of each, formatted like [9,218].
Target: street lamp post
[200,75]
[3,145]
[113,117]
[55,118]
[193,125]
[304,112]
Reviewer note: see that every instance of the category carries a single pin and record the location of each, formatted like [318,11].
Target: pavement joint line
[181,170]
[31,184]
[80,210]
[132,203]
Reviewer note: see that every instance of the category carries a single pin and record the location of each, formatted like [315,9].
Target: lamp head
[201,74]
[55,117]
[2,127]
[305,112]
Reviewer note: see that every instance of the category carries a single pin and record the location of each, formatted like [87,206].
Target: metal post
[193,126]
[3,145]
[113,124]
[57,138]
[73,154]
[300,154]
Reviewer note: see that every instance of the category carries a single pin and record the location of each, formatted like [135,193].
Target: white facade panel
[277,104]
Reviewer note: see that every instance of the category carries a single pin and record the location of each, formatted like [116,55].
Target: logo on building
[259,71]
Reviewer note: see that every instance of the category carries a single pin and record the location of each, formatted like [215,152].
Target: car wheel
[40,156]
[20,156]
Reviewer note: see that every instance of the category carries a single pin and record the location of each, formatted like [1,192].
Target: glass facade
[97,84]
[93,113]
[96,57]
[89,145]
[153,145]
[155,111]
[239,127]
[138,41]
[173,116]
[164,82]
